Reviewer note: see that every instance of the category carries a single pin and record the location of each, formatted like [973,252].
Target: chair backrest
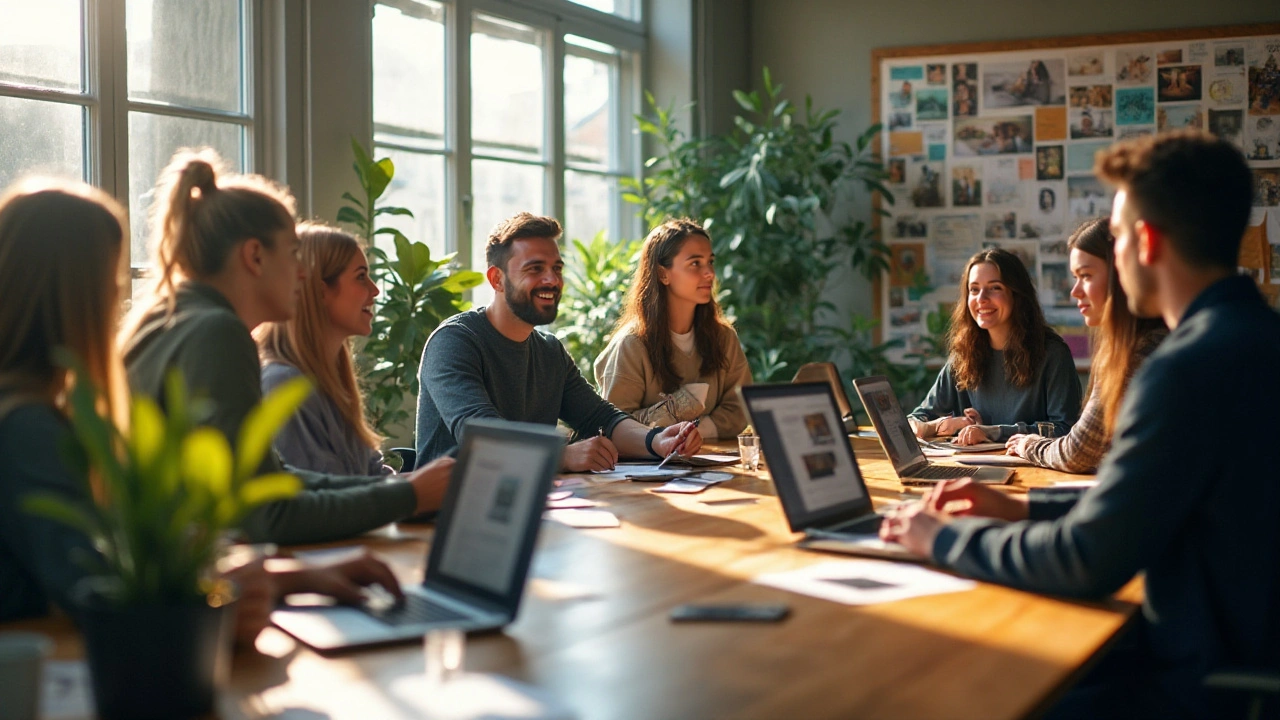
[828,373]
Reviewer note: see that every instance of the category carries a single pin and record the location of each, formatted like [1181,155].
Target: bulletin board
[992,144]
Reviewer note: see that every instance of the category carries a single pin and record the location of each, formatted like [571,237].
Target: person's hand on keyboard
[345,581]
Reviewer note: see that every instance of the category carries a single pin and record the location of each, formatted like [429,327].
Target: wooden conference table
[593,630]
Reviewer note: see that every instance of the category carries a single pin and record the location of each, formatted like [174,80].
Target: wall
[823,47]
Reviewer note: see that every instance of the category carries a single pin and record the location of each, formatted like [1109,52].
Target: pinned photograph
[1266,189]
[900,121]
[1035,227]
[1129,133]
[1086,63]
[935,74]
[966,186]
[964,89]
[1090,96]
[993,136]
[1228,125]
[901,94]
[1135,106]
[1262,138]
[906,260]
[1000,226]
[1026,251]
[1088,198]
[1049,162]
[1172,56]
[1090,123]
[1227,90]
[1018,84]
[1178,83]
[1229,55]
[1055,285]
[924,182]
[931,104]
[908,226]
[1134,66]
[1054,251]
[1177,117]
[1080,156]
[897,169]
[897,297]
[1002,185]
[1264,81]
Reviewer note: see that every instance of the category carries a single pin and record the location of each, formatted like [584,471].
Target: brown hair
[61,276]
[1192,186]
[202,213]
[524,225]
[971,345]
[326,253]
[1121,331]
[646,313]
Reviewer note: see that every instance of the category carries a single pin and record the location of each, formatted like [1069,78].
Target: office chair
[828,373]
[1260,683]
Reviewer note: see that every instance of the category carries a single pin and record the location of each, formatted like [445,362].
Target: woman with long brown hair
[673,356]
[1123,342]
[329,433]
[1007,369]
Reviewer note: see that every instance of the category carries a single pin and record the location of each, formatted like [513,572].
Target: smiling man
[494,362]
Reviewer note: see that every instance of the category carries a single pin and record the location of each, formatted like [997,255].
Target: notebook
[479,559]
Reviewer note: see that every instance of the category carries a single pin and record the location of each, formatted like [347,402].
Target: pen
[679,442]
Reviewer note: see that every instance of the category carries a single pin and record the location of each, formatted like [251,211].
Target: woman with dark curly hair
[1007,369]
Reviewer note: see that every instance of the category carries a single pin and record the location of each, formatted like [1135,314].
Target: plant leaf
[268,488]
[206,461]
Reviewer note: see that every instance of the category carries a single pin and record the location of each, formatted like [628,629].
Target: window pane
[418,185]
[40,43]
[408,70]
[588,112]
[40,137]
[186,53]
[506,89]
[152,142]
[622,8]
[500,190]
[590,203]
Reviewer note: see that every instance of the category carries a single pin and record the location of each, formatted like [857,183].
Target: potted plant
[157,621]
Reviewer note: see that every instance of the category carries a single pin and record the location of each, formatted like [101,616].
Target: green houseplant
[775,195]
[418,293]
[156,620]
[597,275]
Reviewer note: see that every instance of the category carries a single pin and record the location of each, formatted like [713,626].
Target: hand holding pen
[684,442]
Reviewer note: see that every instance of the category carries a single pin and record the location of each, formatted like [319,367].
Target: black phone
[735,612]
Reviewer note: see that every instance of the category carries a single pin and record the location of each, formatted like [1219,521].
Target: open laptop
[900,444]
[479,558]
[828,373]
[814,469]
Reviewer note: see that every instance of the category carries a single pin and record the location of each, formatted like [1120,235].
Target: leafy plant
[168,490]
[418,293]
[596,278]
[775,196]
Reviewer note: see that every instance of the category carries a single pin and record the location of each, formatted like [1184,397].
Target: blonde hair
[201,214]
[61,277]
[326,253]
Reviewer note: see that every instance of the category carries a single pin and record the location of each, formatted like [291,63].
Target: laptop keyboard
[942,472]
[415,610]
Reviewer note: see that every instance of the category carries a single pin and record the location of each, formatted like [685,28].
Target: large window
[491,107]
[106,90]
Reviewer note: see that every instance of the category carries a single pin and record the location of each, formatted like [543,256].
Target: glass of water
[444,650]
[749,451]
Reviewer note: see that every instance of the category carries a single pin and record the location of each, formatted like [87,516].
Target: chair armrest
[1244,679]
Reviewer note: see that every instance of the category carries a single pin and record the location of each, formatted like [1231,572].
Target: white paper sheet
[67,693]
[865,582]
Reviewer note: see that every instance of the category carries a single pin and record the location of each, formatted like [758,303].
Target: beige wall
[823,47]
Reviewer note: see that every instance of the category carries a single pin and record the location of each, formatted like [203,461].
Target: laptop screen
[489,522]
[809,456]
[896,436]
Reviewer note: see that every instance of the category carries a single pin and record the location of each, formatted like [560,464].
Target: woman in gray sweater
[1007,369]
[329,433]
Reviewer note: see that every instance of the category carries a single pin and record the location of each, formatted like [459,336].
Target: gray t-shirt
[469,369]
[318,437]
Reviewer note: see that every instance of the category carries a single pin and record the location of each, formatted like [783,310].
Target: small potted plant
[157,621]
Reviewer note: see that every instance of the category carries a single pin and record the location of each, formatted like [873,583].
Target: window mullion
[555,123]
[459,221]
[113,91]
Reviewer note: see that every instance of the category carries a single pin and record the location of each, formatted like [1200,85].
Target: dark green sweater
[207,341]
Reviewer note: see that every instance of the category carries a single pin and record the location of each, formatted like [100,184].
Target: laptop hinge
[919,464]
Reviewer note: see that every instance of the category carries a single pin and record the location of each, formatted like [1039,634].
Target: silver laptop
[480,555]
[900,444]
[815,471]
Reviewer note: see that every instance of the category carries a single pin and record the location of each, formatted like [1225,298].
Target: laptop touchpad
[331,626]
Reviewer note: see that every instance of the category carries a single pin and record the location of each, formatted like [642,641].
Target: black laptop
[814,469]
[479,557]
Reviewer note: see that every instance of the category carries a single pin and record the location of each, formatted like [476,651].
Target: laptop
[900,444]
[828,373]
[479,558]
[815,471]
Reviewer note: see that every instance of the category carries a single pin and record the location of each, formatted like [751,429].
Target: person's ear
[662,276]
[494,275]
[1151,243]
[253,256]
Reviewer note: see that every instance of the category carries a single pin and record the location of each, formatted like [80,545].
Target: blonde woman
[226,261]
[329,433]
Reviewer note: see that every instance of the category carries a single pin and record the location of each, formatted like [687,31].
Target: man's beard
[522,306]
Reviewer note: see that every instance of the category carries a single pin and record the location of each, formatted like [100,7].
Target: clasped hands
[968,428]
[916,525]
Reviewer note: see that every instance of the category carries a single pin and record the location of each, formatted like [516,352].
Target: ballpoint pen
[679,442]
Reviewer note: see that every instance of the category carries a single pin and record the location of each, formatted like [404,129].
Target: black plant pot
[157,661]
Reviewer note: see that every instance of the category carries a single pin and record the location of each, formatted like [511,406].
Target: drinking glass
[749,451]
